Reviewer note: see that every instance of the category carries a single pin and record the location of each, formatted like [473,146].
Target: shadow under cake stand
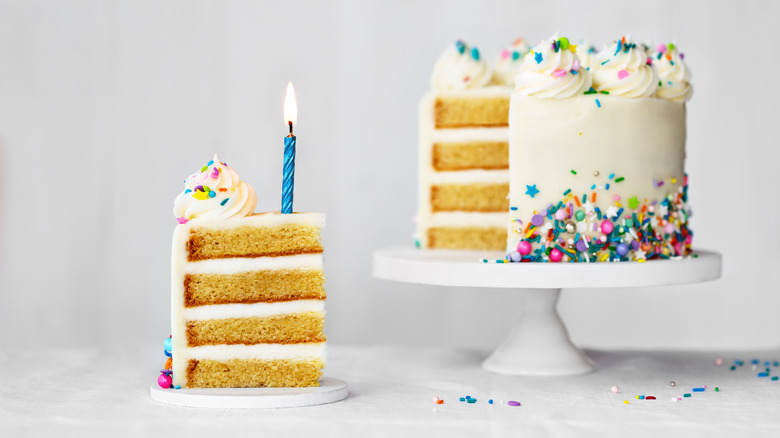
[539,343]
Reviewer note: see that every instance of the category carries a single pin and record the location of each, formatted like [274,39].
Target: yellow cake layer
[480,197]
[253,373]
[277,329]
[254,287]
[487,238]
[471,155]
[247,241]
[470,111]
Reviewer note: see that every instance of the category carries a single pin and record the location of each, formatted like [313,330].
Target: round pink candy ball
[669,228]
[560,214]
[524,248]
[164,381]
[556,255]
[607,227]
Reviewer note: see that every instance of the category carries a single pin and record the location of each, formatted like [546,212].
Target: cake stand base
[539,344]
[329,391]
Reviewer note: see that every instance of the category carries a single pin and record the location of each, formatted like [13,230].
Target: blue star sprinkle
[531,190]
[538,57]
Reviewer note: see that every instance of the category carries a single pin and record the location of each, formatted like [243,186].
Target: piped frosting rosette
[552,70]
[625,71]
[587,54]
[674,76]
[508,63]
[460,67]
[216,192]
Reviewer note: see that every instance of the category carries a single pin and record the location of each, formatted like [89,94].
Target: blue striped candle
[288,178]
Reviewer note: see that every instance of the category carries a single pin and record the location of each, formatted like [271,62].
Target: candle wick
[289,122]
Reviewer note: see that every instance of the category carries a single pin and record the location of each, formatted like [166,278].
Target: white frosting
[468,219]
[460,67]
[216,192]
[674,76]
[508,62]
[179,314]
[248,264]
[549,138]
[313,350]
[224,311]
[469,134]
[623,71]
[470,177]
[588,56]
[550,71]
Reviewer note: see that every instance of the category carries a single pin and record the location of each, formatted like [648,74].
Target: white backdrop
[105,106]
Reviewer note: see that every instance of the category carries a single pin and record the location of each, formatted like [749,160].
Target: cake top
[507,64]
[624,70]
[674,76]
[214,192]
[552,70]
[558,69]
[460,67]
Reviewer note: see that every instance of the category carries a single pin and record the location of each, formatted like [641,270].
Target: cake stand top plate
[466,268]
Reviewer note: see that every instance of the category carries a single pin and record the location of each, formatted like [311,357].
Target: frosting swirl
[460,67]
[552,70]
[674,76]
[625,71]
[215,192]
[588,54]
[508,63]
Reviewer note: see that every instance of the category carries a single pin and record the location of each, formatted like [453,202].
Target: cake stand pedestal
[329,391]
[539,343]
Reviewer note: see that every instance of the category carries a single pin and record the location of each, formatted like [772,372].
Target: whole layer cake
[596,155]
[247,290]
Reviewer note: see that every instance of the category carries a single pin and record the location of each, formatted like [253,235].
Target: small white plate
[330,390]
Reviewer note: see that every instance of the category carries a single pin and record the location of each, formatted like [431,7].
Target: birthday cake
[464,154]
[596,155]
[247,290]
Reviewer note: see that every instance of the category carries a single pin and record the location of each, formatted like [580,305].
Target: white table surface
[90,392]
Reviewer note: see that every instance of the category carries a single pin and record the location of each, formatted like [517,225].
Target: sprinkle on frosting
[216,192]
[673,75]
[460,67]
[508,63]
[552,70]
[623,70]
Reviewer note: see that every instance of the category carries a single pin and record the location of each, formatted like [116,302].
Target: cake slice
[247,291]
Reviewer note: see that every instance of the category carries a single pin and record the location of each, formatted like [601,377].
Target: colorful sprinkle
[513,403]
[531,190]
[538,57]
[598,104]
[622,74]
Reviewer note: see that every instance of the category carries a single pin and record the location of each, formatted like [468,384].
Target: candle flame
[290,107]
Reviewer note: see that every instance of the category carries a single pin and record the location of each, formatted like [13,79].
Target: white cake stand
[329,391]
[539,343]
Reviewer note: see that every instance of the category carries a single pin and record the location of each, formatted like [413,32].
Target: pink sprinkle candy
[614,389]
[622,74]
[556,255]
[607,227]
[560,214]
[182,220]
[661,48]
[164,381]
[513,403]
[575,65]
[524,247]
[505,54]
[559,72]
[616,198]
